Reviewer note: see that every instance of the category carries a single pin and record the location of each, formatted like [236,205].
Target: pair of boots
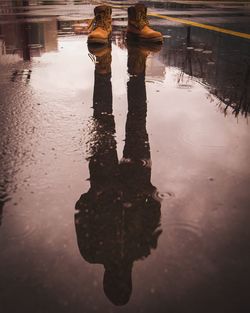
[138,25]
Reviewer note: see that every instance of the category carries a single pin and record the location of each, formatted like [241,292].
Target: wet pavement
[125,175]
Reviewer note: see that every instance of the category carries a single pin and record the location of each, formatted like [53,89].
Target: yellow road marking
[210,27]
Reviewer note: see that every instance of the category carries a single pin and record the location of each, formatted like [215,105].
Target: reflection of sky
[61,70]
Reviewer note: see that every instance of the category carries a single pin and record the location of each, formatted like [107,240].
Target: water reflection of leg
[103,159]
[136,162]
[103,162]
[137,150]
[98,215]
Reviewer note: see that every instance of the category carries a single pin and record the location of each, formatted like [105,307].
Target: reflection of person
[118,218]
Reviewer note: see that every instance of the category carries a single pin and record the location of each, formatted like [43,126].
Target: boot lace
[143,19]
[98,21]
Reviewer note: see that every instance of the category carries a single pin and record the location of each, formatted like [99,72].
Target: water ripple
[189,226]
[159,196]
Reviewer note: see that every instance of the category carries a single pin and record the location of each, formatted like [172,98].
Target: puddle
[114,162]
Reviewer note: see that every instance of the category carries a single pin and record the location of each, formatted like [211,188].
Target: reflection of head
[117,282]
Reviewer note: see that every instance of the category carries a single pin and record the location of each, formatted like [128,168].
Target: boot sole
[99,40]
[135,37]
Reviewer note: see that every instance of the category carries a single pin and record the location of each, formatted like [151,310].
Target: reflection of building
[50,35]
[27,38]
[155,69]
[2,47]
[221,62]
[69,26]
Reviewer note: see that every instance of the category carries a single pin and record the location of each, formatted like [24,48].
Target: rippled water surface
[125,177]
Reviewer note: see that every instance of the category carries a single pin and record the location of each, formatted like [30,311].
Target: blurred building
[27,38]
[155,69]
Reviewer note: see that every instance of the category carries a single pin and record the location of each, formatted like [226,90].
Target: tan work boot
[138,25]
[101,25]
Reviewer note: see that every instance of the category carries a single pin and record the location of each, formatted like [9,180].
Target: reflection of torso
[119,220]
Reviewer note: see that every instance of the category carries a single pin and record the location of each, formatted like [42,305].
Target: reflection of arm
[142,222]
[103,160]
[97,224]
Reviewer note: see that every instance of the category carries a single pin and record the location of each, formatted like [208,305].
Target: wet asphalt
[125,178]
